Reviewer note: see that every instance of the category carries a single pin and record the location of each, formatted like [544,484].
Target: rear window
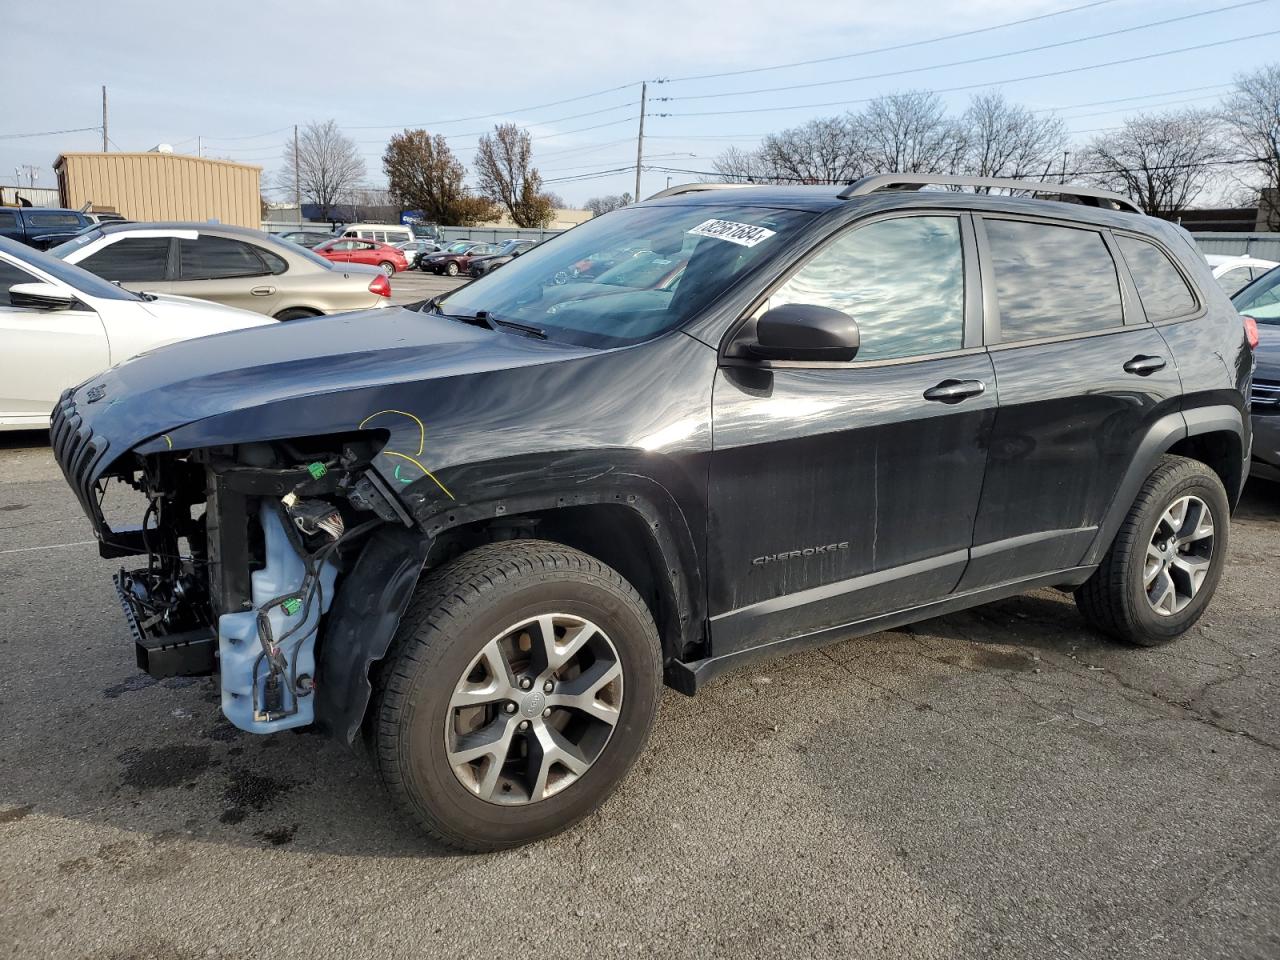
[130,260]
[1261,299]
[1165,295]
[53,219]
[1052,281]
[8,221]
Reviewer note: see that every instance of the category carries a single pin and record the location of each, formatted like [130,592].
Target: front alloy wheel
[534,709]
[522,683]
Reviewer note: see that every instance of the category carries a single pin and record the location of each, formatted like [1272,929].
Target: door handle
[1144,366]
[263,291]
[953,391]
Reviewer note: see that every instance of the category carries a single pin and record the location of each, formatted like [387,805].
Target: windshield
[85,236]
[462,246]
[629,275]
[75,277]
[1261,299]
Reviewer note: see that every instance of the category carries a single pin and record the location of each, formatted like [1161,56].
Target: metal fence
[495,234]
[1265,246]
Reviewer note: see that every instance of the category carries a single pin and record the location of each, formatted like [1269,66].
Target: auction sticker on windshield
[743,234]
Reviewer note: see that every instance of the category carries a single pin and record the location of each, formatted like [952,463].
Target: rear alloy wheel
[452,268]
[521,686]
[387,267]
[1166,560]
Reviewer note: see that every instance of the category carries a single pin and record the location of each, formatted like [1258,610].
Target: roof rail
[1089,196]
[697,188]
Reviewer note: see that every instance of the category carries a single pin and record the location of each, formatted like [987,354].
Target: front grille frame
[1264,397]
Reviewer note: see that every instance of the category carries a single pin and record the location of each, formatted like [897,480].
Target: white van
[391,233]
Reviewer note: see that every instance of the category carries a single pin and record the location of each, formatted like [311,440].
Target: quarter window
[214,258]
[902,280]
[1164,293]
[1052,281]
[53,219]
[131,260]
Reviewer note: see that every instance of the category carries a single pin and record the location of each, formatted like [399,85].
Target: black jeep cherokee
[479,532]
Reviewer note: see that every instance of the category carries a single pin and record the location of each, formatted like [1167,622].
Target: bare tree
[909,133]
[602,205]
[424,174]
[1252,118]
[507,176]
[327,163]
[1162,160]
[735,165]
[826,150]
[1004,139]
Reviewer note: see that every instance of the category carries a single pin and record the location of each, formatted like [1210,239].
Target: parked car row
[233,266]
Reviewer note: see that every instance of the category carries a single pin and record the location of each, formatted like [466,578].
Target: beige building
[161,186]
[562,218]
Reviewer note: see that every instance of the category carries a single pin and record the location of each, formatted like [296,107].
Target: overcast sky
[240,74]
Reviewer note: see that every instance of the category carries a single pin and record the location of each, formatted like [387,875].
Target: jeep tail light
[1251,331]
[382,287]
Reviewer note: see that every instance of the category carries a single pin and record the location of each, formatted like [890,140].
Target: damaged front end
[244,546]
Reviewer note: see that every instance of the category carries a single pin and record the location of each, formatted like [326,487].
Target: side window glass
[10,275]
[1052,281]
[902,280]
[131,260]
[214,258]
[1164,293]
[8,221]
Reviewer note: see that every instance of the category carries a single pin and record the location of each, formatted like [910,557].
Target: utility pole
[1065,154]
[297,184]
[640,139]
[104,119]
[199,146]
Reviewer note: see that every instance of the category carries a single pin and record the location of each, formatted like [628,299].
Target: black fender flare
[1159,439]
[372,597]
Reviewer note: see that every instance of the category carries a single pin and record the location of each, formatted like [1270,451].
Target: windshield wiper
[536,332]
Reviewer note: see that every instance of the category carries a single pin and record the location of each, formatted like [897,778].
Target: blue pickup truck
[41,227]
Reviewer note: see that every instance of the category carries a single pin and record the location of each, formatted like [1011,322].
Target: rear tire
[1166,560]
[497,598]
[387,267]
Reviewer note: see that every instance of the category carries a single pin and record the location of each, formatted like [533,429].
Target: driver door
[45,351]
[843,491]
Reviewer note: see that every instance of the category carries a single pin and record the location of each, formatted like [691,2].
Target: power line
[890,49]
[1145,96]
[990,83]
[48,133]
[970,60]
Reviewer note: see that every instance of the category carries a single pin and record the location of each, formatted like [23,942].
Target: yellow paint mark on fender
[422,431]
[167,440]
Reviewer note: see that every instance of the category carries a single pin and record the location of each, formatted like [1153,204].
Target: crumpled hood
[278,367]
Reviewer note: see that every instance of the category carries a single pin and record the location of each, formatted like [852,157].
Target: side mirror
[805,331]
[40,296]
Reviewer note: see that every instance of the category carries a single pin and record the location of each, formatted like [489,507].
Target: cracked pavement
[999,782]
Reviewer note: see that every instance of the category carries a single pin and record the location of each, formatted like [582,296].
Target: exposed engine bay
[244,546]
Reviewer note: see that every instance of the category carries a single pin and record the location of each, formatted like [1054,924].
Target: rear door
[1080,373]
[45,351]
[840,491]
[227,271]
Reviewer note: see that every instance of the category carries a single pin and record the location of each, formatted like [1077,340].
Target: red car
[350,250]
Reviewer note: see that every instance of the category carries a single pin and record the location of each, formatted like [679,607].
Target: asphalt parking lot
[1000,782]
[412,285]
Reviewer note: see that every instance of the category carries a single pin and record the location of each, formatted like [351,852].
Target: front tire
[1166,560]
[522,685]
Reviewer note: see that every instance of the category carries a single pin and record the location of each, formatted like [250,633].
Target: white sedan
[1233,273]
[59,325]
